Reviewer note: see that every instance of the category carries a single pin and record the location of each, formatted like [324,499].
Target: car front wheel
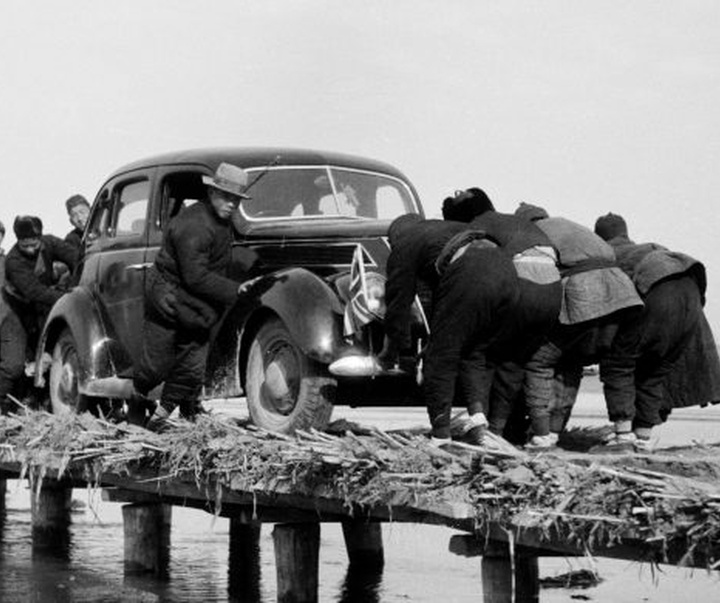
[285,389]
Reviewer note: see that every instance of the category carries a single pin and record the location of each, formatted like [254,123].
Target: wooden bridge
[512,507]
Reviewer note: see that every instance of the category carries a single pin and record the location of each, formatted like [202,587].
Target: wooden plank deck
[527,527]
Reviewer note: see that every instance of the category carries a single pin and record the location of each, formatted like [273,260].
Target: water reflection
[88,566]
[244,585]
[362,584]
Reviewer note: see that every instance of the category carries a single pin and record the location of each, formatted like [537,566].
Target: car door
[121,264]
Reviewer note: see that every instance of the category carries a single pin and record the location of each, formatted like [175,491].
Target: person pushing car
[187,291]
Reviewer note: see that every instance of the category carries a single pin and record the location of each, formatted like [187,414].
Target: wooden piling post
[363,541]
[297,548]
[50,507]
[527,578]
[50,513]
[3,492]
[147,538]
[509,580]
[244,560]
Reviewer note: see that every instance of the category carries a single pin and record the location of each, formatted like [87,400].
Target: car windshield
[322,193]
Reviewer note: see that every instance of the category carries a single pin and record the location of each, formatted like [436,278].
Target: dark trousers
[570,347]
[13,342]
[474,302]
[645,350]
[176,357]
[534,317]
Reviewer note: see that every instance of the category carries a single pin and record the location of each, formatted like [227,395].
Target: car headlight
[374,292]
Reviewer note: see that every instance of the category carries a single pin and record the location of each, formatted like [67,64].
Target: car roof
[254,157]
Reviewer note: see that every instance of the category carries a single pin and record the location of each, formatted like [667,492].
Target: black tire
[285,389]
[63,381]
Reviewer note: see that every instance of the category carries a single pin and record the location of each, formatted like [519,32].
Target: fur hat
[75,200]
[610,226]
[27,227]
[530,212]
[466,205]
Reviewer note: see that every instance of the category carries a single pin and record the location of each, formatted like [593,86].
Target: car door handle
[138,266]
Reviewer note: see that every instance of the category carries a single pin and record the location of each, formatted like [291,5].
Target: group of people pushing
[187,290]
[34,274]
[520,303]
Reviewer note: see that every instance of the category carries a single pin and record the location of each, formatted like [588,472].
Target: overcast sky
[582,107]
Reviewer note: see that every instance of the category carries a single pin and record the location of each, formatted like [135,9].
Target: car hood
[345,228]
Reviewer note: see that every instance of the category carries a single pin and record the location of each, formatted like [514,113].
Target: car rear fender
[78,312]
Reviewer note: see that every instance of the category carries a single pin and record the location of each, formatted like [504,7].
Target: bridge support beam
[244,560]
[297,552]
[364,544]
[147,538]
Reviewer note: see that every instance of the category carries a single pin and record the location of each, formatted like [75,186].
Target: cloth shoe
[539,443]
[642,444]
[618,443]
[474,429]
[159,420]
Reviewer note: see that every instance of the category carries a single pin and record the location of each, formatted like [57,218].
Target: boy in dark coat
[78,210]
[639,369]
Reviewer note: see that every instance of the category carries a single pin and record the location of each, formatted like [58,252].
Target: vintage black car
[285,344]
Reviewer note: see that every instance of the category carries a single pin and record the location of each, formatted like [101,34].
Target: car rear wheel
[64,379]
[285,389]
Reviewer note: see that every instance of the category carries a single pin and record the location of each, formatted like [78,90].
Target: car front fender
[310,310]
[307,306]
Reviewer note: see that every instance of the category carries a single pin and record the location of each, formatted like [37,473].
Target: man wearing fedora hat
[187,290]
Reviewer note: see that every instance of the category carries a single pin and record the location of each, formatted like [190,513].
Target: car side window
[131,201]
[99,217]
[178,191]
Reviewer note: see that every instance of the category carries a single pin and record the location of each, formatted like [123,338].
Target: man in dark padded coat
[187,290]
[667,357]
[474,291]
[31,288]
[538,308]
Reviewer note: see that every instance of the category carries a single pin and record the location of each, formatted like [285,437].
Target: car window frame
[257,172]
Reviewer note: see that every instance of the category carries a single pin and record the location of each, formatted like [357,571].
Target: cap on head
[27,227]
[74,201]
[530,212]
[229,179]
[466,205]
[610,226]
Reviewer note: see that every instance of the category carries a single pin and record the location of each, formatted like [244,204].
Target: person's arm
[62,251]
[193,246]
[23,279]
[400,291]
